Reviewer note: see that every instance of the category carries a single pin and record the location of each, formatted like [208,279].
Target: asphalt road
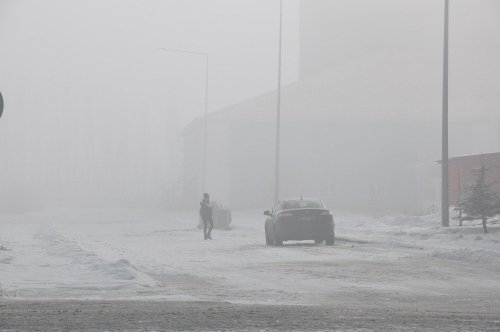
[383,315]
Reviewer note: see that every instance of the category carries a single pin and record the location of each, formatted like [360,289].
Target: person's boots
[208,236]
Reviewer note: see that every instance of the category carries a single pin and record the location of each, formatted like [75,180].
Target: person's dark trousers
[208,223]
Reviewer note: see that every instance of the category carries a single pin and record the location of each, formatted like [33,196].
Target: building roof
[473,156]
[368,89]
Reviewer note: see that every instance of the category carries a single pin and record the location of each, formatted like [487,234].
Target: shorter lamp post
[175,50]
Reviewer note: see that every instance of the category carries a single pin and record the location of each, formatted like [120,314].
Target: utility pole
[445,213]
[278,116]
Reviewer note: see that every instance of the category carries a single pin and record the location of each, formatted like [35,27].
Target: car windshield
[303,204]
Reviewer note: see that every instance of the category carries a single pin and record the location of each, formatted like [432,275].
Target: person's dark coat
[205,211]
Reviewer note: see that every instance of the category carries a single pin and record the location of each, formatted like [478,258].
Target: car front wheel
[269,240]
[277,241]
[331,239]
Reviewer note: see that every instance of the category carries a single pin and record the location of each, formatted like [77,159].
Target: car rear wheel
[331,240]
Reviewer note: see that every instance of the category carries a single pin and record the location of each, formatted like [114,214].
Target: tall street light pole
[205,120]
[445,214]
[278,115]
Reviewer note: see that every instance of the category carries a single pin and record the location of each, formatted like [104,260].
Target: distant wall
[461,173]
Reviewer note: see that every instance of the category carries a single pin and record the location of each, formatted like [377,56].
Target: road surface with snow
[407,267]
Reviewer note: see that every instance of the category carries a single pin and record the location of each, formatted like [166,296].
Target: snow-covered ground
[135,254]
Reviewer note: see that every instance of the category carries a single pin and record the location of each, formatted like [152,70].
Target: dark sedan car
[299,219]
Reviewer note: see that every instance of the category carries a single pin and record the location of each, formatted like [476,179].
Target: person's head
[206,197]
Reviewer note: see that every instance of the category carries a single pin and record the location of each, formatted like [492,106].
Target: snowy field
[155,255]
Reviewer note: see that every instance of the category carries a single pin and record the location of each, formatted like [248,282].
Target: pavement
[222,316]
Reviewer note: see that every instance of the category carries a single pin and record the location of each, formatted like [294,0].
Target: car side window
[279,206]
[275,208]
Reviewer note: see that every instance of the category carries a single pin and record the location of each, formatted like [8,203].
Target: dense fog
[105,100]
[249,165]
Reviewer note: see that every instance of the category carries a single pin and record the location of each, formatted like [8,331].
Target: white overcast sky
[112,45]
[105,53]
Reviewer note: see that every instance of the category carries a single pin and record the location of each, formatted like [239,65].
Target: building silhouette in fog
[361,129]
[359,157]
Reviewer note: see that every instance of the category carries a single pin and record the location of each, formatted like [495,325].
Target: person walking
[206,216]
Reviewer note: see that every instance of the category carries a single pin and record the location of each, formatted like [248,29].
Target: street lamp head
[178,50]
